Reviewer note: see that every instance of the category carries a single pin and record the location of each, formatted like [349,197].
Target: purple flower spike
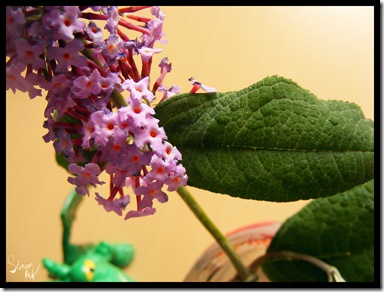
[100,100]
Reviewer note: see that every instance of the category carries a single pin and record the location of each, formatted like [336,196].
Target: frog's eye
[89,269]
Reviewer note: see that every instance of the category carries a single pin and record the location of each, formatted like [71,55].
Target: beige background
[328,50]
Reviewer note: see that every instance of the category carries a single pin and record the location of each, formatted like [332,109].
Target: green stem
[225,244]
[88,53]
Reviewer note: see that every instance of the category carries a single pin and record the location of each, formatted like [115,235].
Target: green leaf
[271,141]
[338,230]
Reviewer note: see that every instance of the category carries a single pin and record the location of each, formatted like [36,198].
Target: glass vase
[250,242]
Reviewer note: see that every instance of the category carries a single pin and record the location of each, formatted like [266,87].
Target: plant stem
[242,271]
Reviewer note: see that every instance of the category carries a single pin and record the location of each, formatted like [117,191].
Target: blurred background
[327,50]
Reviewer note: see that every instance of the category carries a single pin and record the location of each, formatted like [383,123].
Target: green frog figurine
[103,262]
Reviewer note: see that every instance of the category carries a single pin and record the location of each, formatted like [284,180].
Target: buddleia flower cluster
[100,101]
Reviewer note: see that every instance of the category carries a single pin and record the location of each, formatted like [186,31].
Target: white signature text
[29,270]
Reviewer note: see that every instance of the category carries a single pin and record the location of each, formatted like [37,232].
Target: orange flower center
[153,133]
